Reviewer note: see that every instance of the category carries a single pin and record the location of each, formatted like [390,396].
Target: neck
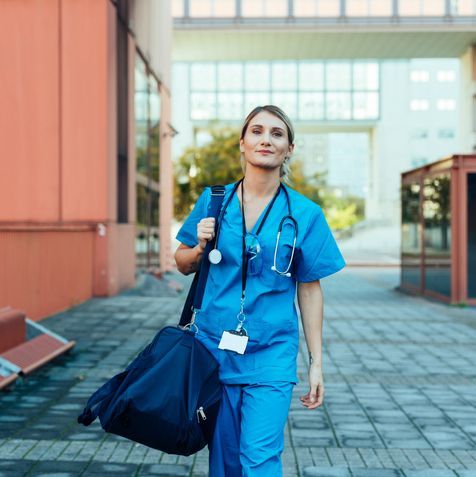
[260,184]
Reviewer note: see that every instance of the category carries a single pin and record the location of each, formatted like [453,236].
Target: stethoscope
[215,256]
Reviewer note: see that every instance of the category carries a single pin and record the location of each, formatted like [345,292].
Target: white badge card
[233,341]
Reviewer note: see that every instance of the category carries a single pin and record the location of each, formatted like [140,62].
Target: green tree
[218,162]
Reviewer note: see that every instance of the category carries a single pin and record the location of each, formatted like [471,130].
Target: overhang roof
[199,42]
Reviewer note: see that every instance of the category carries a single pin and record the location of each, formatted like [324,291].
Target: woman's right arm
[188,258]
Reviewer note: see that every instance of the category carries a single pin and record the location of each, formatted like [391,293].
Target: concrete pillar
[372,209]
[467,126]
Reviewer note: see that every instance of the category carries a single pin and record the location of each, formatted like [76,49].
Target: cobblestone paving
[400,389]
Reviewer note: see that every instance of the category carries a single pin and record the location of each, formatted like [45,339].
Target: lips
[265,151]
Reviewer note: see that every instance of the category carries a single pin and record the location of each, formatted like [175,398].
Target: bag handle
[197,289]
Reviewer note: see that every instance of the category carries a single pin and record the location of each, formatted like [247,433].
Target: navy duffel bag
[167,398]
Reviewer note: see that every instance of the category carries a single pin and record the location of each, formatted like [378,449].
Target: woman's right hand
[205,231]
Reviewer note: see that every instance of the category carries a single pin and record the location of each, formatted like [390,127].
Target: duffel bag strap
[197,289]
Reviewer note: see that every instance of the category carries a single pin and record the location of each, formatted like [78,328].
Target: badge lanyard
[236,340]
[244,258]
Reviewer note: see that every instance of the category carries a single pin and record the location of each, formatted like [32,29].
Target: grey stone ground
[399,374]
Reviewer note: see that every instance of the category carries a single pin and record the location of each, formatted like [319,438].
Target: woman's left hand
[315,396]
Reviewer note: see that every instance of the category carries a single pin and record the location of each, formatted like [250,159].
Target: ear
[242,146]
[290,149]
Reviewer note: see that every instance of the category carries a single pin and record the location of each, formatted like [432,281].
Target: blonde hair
[285,169]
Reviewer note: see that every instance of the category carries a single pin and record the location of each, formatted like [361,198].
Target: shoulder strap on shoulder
[195,294]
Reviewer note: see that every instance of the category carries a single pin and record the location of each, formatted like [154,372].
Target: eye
[278,134]
[255,131]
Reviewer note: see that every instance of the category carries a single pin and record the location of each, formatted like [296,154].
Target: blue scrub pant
[249,433]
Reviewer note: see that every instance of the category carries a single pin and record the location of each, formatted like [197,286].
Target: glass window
[419,133]
[365,76]
[154,100]
[201,8]
[203,105]
[418,161]
[264,8]
[177,8]
[365,105]
[365,8]
[141,109]
[446,76]
[419,76]
[463,7]
[471,241]
[147,143]
[257,77]
[230,105]
[433,7]
[419,105]
[311,106]
[411,235]
[437,233]
[328,8]
[380,8]
[284,76]
[421,7]
[409,7]
[286,101]
[230,76]
[311,76]
[446,105]
[212,8]
[446,133]
[203,77]
[305,8]
[316,8]
[274,79]
[338,106]
[357,8]
[224,8]
[338,76]
[253,99]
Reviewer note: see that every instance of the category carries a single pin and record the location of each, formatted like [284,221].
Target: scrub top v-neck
[271,314]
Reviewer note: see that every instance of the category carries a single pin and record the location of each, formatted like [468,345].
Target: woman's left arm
[311,306]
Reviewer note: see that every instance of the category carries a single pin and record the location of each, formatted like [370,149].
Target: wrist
[315,365]
[315,359]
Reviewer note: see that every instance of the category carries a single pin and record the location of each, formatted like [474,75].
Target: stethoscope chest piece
[215,256]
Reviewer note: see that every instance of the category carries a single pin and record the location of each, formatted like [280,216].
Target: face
[265,143]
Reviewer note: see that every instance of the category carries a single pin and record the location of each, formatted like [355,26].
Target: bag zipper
[201,414]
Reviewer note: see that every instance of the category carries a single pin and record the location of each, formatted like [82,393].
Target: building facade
[373,87]
[85,129]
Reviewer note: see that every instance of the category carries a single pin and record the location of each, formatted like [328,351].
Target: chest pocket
[271,279]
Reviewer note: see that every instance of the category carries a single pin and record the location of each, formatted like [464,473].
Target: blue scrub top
[270,308]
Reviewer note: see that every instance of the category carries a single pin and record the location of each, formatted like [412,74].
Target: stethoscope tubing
[281,224]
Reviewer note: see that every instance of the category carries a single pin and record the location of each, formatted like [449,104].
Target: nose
[266,138]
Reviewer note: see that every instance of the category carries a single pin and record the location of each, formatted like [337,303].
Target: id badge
[233,341]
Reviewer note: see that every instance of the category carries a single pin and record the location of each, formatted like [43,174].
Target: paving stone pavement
[400,389]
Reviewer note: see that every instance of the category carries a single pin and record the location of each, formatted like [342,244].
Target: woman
[249,320]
